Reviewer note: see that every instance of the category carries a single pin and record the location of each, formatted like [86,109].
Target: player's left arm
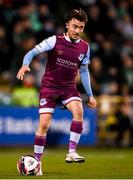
[85,79]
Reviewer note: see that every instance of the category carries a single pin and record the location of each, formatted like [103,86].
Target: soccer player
[67,54]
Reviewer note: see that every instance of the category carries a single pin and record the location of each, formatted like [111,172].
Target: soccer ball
[28,165]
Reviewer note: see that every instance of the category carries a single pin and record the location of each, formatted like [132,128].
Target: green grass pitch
[101,163]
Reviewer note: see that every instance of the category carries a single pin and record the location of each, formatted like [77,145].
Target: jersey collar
[68,39]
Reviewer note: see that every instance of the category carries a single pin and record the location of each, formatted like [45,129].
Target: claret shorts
[50,97]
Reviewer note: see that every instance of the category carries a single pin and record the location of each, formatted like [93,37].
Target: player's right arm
[44,46]
[26,61]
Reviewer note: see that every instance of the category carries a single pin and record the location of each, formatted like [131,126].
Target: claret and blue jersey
[64,60]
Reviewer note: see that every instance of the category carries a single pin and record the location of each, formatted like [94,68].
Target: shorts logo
[43,102]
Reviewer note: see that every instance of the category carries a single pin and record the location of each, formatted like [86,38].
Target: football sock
[75,133]
[39,144]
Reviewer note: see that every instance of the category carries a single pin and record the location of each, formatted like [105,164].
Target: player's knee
[78,114]
[44,124]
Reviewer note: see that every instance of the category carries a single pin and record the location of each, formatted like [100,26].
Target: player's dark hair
[80,15]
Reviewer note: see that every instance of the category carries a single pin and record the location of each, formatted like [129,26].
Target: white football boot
[74,157]
[40,171]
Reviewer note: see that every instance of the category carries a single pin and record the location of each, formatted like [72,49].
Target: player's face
[75,28]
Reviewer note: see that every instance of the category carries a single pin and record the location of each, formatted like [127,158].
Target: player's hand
[22,72]
[92,102]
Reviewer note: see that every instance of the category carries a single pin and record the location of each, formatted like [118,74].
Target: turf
[101,163]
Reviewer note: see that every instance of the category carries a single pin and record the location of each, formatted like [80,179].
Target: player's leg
[46,109]
[75,130]
[72,100]
[40,137]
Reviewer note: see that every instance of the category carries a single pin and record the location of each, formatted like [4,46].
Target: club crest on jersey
[81,57]
[43,102]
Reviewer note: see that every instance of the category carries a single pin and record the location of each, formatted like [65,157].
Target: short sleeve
[86,59]
[46,45]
